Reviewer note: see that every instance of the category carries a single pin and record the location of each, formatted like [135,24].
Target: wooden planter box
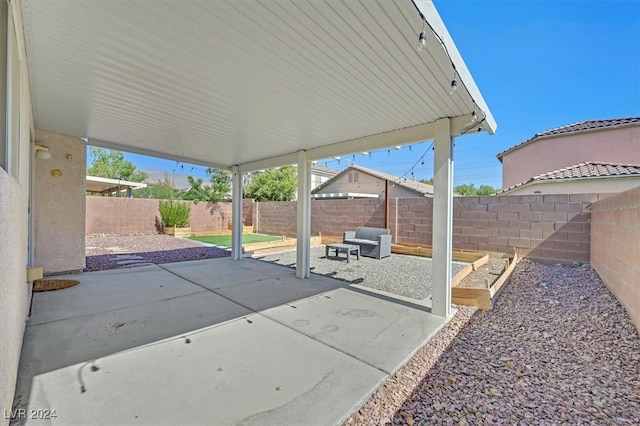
[177,232]
[274,246]
[480,297]
[483,298]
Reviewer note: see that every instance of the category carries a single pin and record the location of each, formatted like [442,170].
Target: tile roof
[416,186]
[324,169]
[589,169]
[581,126]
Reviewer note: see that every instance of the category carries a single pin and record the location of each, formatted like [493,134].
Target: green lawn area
[225,240]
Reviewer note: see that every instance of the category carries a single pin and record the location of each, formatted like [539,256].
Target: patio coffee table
[343,248]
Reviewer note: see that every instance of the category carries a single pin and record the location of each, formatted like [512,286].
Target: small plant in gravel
[174,213]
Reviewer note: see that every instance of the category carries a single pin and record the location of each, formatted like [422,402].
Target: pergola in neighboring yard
[106,186]
[247,85]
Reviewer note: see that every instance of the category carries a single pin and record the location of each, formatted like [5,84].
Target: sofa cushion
[365,233]
[359,241]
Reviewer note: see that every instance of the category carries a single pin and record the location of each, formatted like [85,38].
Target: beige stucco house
[612,142]
[361,182]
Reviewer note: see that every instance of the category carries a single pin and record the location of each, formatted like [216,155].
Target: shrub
[174,213]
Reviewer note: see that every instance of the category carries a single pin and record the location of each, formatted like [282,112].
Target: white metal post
[442,218]
[236,214]
[303,246]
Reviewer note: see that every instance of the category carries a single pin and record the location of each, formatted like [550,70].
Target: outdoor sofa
[373,242]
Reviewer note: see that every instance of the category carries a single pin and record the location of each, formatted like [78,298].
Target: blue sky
[539,65]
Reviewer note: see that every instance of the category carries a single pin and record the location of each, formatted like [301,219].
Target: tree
[427,181]
[158,191]
[111,164]
[220,183]
[487,190]
[468,189]
[274,185]
[213,191]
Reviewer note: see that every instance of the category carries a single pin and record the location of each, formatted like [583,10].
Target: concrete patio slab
[280,290]
[89,337]
[108,290]
[248,371]
[377,331]
[225,272]
[266,348]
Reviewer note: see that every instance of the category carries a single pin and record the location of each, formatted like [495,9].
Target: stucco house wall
[367,184]
[396,191]
[610,145]
[14,236]
[60,205]
[578,186]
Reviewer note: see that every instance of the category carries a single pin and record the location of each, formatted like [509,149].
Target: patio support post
[442,218]
[303,244]
[236,214]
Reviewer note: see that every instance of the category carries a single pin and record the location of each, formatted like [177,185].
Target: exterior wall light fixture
[42,152]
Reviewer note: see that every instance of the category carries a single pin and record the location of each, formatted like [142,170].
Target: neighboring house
[615,141]
[320,174]
[589,177]
[361,182]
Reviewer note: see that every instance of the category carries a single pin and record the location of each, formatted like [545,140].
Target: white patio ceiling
[224,83]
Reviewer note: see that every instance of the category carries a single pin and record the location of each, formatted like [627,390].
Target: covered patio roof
[232,83]
[250,85]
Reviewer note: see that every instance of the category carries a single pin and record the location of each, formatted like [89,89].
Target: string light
[454,84]
[422,38]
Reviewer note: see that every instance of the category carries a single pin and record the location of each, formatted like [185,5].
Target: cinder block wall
[544,227]
[329,217]
[615,247]
[113,215]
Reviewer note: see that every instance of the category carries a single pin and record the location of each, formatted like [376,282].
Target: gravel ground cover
[558,348]
[408,276]
[110,251]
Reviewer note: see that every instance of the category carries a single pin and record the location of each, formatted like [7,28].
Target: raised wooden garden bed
[273,246]
[177,232]
[245,230]
[482,297]
[479,297]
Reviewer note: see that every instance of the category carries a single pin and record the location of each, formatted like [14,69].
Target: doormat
[49,285]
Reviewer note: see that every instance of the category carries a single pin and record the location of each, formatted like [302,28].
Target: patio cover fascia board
[368,143]
[382,140]
[158,154]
